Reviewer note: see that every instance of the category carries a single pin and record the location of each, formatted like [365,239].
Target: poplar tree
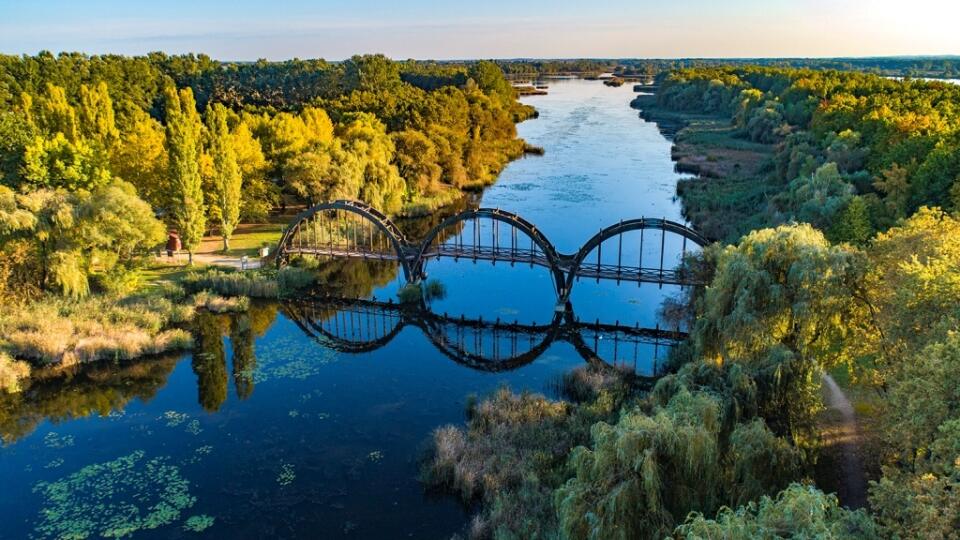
[96,115]
[183,138]
[227,179]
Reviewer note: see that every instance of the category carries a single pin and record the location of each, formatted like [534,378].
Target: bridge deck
[610,272]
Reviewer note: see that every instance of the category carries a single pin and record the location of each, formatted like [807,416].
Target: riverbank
[731,174]
[56,333]
[727,197]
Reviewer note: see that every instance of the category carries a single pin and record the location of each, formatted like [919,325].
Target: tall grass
[264,283]
[250,284]
[54,330]
[219,304]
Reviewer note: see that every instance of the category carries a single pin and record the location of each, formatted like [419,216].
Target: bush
[264,283]
[12,373]
[410,293]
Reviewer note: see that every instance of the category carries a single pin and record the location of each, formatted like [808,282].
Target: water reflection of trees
[209,359]
[244,357]
[103,388]
[82,391]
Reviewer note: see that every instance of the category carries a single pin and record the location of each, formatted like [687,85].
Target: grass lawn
[156,273]
[246,240]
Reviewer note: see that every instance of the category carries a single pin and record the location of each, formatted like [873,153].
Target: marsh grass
[264,283]
[512,453]
[215,303]
[57,331]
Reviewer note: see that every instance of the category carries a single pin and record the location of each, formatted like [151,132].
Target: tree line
[199,145]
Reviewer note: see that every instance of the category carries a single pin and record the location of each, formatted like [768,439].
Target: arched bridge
[352,229]
[358,326]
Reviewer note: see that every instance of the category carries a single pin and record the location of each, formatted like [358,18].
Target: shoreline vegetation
[833,196]
[841,210]
[100,155]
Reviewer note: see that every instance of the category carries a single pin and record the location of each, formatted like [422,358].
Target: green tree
[78,235]
[817,198]
[797,512]
[96,116]
[782,302]
[60,163]
[372,72]
[853,223]
[183,142]
[259,194]
[227,179]
[56,115]
[140,158]
[417,161]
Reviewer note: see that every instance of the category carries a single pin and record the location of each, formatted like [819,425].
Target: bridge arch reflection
[359,326]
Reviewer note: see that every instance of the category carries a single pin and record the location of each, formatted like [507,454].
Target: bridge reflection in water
[354,230]
[360,326]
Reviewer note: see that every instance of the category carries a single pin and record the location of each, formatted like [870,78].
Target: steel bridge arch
[663,225]
[554,259]
[371,214]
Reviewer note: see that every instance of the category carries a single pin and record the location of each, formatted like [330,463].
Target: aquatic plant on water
[198,523]
[114,499]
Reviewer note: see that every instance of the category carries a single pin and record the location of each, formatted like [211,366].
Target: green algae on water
[288,358]
[287,475]
[198,523]
[113,499]
[54,440]
[175,418]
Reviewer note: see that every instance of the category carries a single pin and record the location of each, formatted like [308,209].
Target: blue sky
[334,29]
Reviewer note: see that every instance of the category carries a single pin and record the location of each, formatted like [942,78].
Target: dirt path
[852,487]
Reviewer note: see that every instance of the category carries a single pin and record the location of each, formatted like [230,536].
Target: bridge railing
[374,236]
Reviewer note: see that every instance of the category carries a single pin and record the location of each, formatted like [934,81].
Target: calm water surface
[302,420]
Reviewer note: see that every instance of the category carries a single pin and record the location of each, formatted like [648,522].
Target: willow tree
[783,303]
[227,179]
[183,143]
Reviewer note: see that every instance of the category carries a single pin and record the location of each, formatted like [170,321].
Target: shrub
[410,293]
[12,373]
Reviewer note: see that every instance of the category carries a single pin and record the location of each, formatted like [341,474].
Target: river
[271,428]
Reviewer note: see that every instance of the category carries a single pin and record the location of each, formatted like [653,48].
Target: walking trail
[852,489]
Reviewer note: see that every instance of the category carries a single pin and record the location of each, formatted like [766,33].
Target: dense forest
[853,153]
[96,148]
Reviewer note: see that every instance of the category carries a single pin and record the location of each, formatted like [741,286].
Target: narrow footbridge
[356,326]
[352,229]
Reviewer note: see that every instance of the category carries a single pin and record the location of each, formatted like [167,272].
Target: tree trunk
[190,258]
[226,244]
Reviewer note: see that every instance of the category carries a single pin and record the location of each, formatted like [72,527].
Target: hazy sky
[334,29]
